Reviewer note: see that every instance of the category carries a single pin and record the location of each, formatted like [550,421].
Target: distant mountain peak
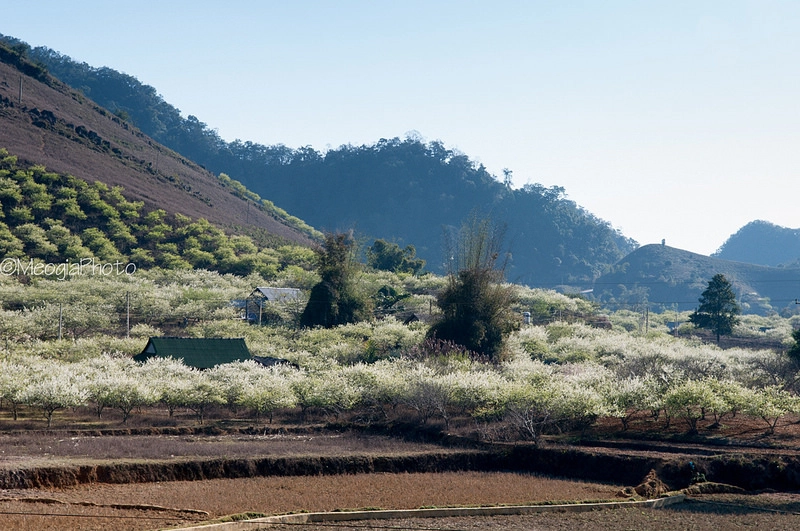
[764,243]
[665,278]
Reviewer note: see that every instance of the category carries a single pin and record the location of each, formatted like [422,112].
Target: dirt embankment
[627,467]
[623,463]
[197,470]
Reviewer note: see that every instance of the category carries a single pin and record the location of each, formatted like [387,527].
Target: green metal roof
[202,353]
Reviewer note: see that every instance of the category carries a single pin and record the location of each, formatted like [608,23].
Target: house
[255,302]
[275,294]
[201,353]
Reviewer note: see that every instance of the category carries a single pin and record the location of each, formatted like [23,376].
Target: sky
[671,120]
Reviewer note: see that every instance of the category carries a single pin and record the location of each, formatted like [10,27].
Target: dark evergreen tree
[718,309]
[335,300]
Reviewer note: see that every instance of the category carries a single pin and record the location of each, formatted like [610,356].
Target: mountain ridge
[762,242]
[554,241]
[667,278]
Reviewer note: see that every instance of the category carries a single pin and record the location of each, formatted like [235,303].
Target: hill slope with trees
[403,190]
[764,243]
[665,278]
[53,218]
[44,122]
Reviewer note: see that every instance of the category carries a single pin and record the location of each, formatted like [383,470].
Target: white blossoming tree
[55,386]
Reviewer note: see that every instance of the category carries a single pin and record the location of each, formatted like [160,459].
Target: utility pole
[127,314]
[20,91]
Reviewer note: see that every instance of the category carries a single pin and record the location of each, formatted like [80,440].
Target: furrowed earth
[145,477]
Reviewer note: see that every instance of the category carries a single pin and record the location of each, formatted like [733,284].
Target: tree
[476,306]
[335,300]
[771,404]
[14,379]
[54,386]
[536,408]
[129,392]
[199,393]
[267,391]
[718,309]
[690,400]
[794,350]
[390,257]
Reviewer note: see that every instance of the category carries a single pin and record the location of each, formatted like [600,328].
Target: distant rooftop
[276,294]
[201,353]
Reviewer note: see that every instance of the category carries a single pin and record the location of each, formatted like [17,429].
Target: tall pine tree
[718,309]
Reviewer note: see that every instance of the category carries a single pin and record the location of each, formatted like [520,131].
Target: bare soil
[275,495]
[135,478]
[174,504]
[764,511]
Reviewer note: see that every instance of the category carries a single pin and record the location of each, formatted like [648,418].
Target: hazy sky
[668,119]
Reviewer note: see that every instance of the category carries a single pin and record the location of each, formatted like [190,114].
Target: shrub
[336,300]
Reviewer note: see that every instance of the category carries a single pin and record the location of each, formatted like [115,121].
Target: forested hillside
[405,190]
[762,242]
[409,191]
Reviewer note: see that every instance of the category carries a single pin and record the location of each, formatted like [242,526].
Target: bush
[476,307]
[335,300]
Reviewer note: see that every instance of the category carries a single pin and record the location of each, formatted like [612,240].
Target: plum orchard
[555,376]
[617,376]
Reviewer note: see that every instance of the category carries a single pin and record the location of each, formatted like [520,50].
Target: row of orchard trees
[58,218]
[618,378]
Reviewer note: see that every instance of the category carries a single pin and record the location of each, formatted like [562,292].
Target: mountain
[45,122]
[406,191]
[413,192]
[673,279]
[764,243]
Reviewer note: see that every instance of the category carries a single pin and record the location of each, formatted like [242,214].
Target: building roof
[201,353]
[276,294]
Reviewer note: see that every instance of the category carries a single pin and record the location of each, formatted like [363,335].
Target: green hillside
[45,122]
[58,218]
